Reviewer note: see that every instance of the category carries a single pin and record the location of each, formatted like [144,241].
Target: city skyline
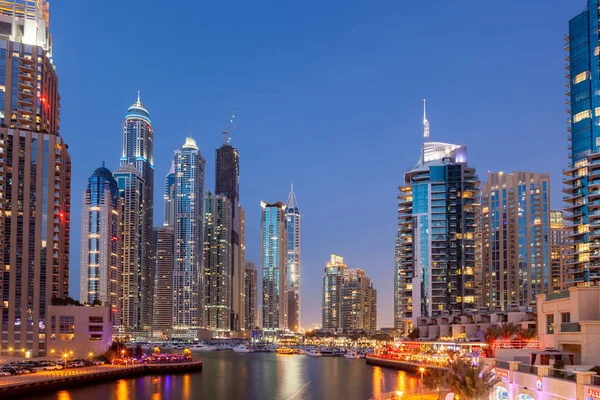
[398,117]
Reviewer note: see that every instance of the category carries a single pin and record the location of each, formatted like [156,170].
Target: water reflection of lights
[377,381]
[187,385]
[122,390]
[63,395]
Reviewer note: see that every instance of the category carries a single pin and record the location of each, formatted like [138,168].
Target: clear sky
[328,94]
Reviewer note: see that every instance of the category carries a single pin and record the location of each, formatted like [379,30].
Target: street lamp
[422,371]
[90,355]
[65,356]
[399,394]
[52,351]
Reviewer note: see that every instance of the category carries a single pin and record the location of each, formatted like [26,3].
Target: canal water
[229,375]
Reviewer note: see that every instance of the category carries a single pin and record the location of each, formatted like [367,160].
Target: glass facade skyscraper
[100,263]
[188,287]
[515,227]
[35,179]
[162,310]
[273,258]
[218,263]
[436,242]
[251,296]
[292,221]
[169,196]
[582,182]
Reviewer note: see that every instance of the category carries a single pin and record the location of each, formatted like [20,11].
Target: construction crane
[229,130]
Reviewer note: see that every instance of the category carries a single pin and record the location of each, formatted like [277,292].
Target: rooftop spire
[425,122]
[139,97]
[291,202]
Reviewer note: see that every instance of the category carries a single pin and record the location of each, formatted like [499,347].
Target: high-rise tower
[292,221]
[136,184]
[436,242]
[558,247]
[162,315]
[35,178]
[169,197]
[273,259]
[331,305]
[515,227]
[251,295]
[188,290]
[227,183]
[100,242]
[582,182]
[218,266]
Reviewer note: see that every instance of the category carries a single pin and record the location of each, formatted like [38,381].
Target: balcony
[570,327]
[565,294]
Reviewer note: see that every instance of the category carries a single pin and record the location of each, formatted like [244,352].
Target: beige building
[515,255]
[570,321]
[349,298]
[470,326]
[83,330]
[35,179]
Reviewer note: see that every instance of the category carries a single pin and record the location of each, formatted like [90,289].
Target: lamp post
[422,371]
[65,356]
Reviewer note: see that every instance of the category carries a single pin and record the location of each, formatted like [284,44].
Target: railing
[399,394]
[562,374]
[528,369]
[517,344]
[596,380]
[556,296]
[570,327]
[502,364]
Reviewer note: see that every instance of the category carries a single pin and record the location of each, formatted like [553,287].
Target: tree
[414,334]
[437,379]
[138,352]
[508,330]
[97,302]
[471,383]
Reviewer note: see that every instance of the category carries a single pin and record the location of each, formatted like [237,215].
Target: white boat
[314,353]
[352,355]
[242,349]
[202,347]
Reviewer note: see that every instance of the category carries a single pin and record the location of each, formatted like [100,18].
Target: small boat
[327,353]
[352,355]
[242,349]
[202,347]
[314,353]
[285,350]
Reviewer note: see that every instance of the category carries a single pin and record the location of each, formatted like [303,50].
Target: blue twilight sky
[328,94]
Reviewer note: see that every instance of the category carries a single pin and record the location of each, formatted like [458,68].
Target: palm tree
[508,330]
[438,380]
[471,383]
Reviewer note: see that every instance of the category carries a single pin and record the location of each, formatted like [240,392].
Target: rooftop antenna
[425,122]
[231,127]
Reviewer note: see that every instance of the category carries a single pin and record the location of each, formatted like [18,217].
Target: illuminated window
[580,116]
[581,77]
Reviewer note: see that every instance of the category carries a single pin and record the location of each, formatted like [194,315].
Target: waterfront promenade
[44,380]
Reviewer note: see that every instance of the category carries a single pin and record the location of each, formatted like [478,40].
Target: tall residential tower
[515,226]
[436,242]
[273,257]
[188,301]
[292,221]
[100,265]
[35,179]
[582,181]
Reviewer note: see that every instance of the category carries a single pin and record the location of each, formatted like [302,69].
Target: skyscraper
[188,302]
[349,299]
[100,265]
[359,302]
[435,269]
[138,189]
[292,221]
[135,288]
[515,225]
[217,263]
[273,257]
[583,172]
[227,183]
[169,197]
[162,315]
[251,295]
[35,178]
[331,307]
[558,246]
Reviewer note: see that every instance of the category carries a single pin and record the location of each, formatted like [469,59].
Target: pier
[397,364]
[53,380]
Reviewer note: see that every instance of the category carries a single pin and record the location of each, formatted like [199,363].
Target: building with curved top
[136,187]
[188,289]
[100,241]
[292,221]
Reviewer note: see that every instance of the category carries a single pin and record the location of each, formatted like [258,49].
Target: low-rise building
[80,329]
[570,322]
[470,326]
